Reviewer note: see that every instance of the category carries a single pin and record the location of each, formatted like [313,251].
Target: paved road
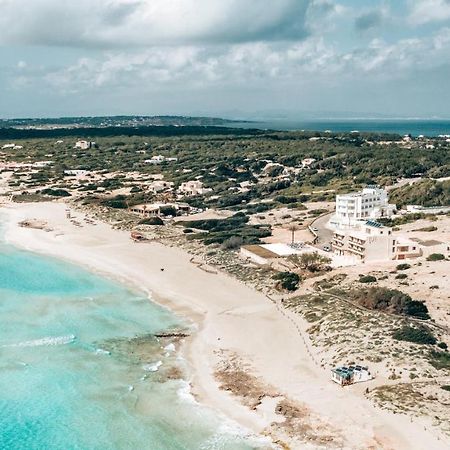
[325,235]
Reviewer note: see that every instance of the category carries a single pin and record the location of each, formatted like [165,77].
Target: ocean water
[81,369]
[415,127]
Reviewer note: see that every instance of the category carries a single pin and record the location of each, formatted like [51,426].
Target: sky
[229,58]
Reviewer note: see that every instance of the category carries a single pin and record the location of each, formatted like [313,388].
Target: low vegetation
[367,279]
[436,257]
[288,281]
[417,335]
[151,221]
[221,231]
[311,262]
[427,229]
[390,301]
[440,360]
[425,193]
[401,276]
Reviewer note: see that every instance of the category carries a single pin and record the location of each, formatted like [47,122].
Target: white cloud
[424,11]
[252,64]
[115,23]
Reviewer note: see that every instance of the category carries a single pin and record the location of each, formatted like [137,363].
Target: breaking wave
[45,342]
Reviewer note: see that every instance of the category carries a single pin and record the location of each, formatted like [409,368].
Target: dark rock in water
[146,349]
[172,334]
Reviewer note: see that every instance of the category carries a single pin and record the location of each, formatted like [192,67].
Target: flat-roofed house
[85,145]
[258,254]
[369,204]
[159,209]
[371,241]
[192,188]
[350,375]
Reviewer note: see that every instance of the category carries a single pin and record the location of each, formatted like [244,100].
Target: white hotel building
[370,241]
[358,236]
[369,204]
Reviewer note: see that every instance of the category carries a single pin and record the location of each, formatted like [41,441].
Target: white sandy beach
[231,319]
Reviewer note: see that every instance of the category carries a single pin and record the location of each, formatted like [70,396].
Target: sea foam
[153,367]
[45,342]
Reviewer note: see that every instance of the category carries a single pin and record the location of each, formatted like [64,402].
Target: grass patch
[440,360]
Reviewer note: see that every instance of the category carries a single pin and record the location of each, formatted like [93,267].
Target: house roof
[260,251]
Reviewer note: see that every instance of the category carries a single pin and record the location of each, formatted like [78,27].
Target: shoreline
[229,318]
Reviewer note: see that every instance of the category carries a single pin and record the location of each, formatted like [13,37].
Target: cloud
[116,23]
[252,64]
[368,20]
[425,11]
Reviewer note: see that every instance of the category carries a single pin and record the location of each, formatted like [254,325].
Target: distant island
[113,121]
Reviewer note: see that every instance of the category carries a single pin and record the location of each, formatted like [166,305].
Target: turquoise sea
[81,369]
[415,127]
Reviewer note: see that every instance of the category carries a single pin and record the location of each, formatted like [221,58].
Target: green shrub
[285,200]
[443,345]
[403,266]
[233,243]
[221,230]
[401,276]
[56,192]
[391,301]
[446,387]
[427,229]
[416,308]
[168,210]
[436,257]
[440,360]
[288,280]
[151,221]
[417,335]
[118,202]
[367,279]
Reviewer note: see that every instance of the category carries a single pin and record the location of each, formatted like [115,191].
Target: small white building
[159,159]
[369,204]
[308,161]
[431,246]
[192,188]
[350,375]
[159,186]
[417,209]
[85,145]
[76,173]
